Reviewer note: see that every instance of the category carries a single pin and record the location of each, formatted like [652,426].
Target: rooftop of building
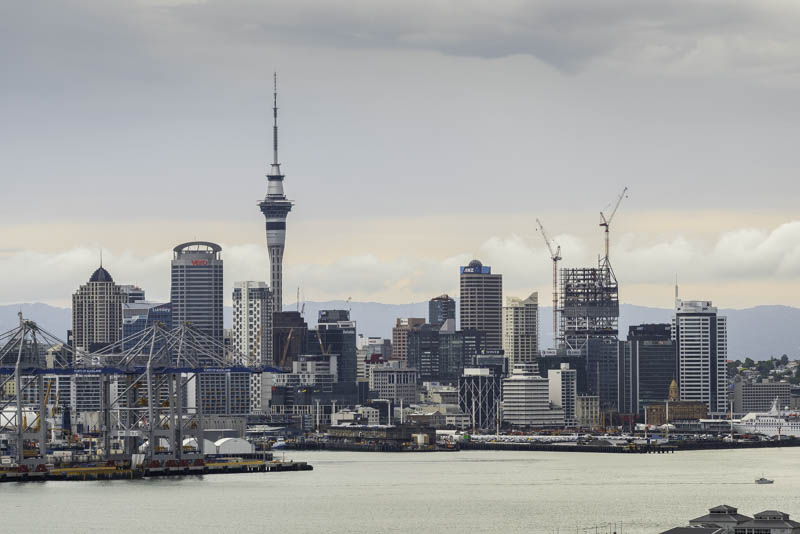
[197,247]
[101,275]
[476,267]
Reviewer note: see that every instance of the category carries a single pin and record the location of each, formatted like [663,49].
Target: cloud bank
[736,259]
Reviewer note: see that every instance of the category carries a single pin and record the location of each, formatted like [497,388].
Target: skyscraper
[196,296]
[647,365]
[701,337]
[440,309]
[97,312]
[481,302]
[196,292]
[275,208]
[521,329]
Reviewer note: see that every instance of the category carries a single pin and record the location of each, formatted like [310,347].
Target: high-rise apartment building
[701,337]
[440,309]
[521,329]
[97,312]
[252,322]
[481,302]
[252,336]
[400,336]
[276,208]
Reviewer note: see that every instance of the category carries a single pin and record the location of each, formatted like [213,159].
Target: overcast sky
[415,136]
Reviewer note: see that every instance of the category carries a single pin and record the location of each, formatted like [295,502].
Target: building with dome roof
[97,312]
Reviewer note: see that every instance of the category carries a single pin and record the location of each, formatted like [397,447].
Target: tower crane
[606,221]
[555,255]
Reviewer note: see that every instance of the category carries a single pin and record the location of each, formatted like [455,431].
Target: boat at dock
[773,423]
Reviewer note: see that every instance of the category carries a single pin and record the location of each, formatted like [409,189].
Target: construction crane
[555,255]
[286,348]
[606,221]
[325,352]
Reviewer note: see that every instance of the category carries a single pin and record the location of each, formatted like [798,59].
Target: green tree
[784,359]
[749,363]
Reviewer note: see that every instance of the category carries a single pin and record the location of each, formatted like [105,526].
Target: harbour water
[467,491]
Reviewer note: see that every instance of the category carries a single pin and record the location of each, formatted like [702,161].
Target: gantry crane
[606,222]
[555,255]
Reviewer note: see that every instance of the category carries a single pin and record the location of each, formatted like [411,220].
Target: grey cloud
[566,35]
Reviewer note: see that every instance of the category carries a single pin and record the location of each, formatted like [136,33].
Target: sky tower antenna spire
[275,118]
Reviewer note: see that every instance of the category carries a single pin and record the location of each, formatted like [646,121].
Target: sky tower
[275,208]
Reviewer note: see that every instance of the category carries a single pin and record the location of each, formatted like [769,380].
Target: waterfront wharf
[153,469]
[632,448]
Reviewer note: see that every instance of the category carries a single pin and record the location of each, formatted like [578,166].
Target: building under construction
[588,325]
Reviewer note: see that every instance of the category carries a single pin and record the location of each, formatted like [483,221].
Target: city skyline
[546,116]
[155,330]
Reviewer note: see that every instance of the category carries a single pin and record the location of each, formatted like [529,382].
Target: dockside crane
[555,255]
[605,222]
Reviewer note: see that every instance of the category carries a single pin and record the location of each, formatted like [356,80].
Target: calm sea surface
[475,491]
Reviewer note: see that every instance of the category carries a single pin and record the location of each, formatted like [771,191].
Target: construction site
[155,392]
[586,315]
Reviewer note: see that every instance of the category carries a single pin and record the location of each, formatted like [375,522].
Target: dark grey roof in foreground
[695,530]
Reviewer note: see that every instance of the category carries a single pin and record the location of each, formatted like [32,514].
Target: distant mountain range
[758,333]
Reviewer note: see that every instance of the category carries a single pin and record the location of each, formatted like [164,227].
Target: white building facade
[563,391]
[526,399]
[701,337]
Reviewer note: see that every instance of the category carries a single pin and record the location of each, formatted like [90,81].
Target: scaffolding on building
[589,305]
[480,394]
[150,392]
